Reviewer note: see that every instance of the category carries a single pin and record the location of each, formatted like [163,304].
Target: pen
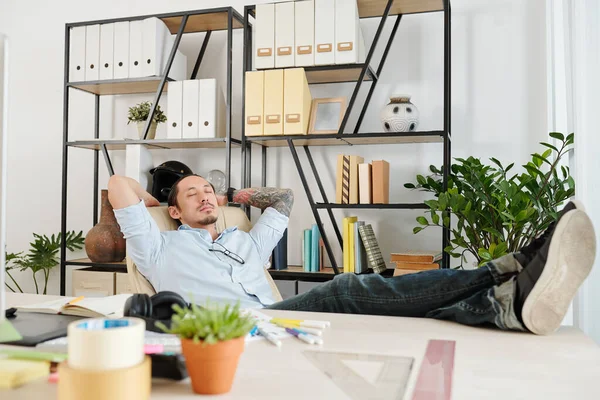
[301,336]
[269,337]
[317,340]
[306,323]
[312,331]
[75,300]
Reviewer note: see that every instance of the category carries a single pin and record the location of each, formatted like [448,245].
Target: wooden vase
[212,367]
[104,242]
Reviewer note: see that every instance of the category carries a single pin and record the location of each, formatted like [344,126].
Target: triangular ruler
[365,376]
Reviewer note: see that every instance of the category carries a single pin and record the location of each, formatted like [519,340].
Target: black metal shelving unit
[359,73]
[178,23]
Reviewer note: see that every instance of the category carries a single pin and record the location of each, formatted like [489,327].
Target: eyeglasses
[228,253]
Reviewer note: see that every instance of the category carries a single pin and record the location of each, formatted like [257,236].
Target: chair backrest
[228,216]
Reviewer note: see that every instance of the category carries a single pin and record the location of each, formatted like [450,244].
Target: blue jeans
[481,296]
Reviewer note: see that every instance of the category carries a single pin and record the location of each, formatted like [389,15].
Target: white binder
[324,32]
[178,69]
[92,52]
[174,110]
[284,35]
[136,45]
[107,40]
[138,163]
[156,46]
[121,50]
[265,36]
[191,90]
[348,35]
[77,54]
[305,33]
[211,121]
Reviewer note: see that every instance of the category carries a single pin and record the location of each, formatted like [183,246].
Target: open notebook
[82,307]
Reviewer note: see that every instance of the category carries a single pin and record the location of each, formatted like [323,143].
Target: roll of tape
[100,344]
[133,383]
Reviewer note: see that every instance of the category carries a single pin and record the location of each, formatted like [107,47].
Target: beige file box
[273,102]
[354,161]
[254,103]
[296,102]
[364,183]
[381,182]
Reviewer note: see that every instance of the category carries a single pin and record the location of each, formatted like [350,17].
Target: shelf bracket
[323,195]
[379,70]
[201,55]
[312,205]
[111,171]
[365,67]
[163,80]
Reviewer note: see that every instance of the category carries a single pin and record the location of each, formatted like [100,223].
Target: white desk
[489,364]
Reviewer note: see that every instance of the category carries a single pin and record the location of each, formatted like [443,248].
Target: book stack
[313,251]
[358,182]
[360,247]
[411,261]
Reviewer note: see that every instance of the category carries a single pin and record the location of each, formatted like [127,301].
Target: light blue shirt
[180,261]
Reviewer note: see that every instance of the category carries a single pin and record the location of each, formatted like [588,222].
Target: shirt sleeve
[145,244]
[268,231]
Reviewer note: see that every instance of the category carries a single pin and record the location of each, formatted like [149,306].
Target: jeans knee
[343,282]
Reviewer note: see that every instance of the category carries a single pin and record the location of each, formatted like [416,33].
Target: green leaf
[521,215]
[409,185]
[435,218]
[417,229]
[422,220]
[549,146]
[558,136]
[495,161]
[484,254]
[421,179]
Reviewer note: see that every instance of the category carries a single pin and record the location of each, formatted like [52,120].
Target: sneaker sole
[570,260]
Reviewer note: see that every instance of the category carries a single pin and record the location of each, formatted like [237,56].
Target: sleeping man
[527,291]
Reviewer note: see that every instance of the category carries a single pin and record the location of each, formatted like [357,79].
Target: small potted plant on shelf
[212,340]
[139,114]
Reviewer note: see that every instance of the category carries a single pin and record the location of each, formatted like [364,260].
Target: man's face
[197,203]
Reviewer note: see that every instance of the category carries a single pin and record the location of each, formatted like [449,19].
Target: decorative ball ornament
[218,180]
[400,115]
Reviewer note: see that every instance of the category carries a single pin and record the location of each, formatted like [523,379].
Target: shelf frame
[207,20]
[367,9]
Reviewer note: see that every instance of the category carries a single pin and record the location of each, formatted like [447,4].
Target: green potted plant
[139,114]
[212,340]
[42,256]
[493,213]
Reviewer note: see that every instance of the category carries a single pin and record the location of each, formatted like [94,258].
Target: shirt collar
[186,227]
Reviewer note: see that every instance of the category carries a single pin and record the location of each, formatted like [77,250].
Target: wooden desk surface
[489,363]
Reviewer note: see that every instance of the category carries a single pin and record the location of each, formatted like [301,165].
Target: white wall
[498,109]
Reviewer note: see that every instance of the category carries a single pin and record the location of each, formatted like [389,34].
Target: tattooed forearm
[280,199]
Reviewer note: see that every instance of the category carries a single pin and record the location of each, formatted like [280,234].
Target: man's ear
[174,212]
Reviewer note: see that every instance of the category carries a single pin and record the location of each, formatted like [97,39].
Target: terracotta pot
[212,367]
[105,242]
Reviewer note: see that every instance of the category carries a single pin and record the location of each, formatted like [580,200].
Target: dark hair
[172,199]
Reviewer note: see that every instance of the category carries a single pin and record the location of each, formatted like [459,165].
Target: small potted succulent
[212,340]
[139,114]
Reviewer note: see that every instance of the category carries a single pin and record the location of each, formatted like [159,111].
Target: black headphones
[159,307]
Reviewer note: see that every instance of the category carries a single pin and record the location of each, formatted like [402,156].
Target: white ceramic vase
[400,115]
[151,131]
